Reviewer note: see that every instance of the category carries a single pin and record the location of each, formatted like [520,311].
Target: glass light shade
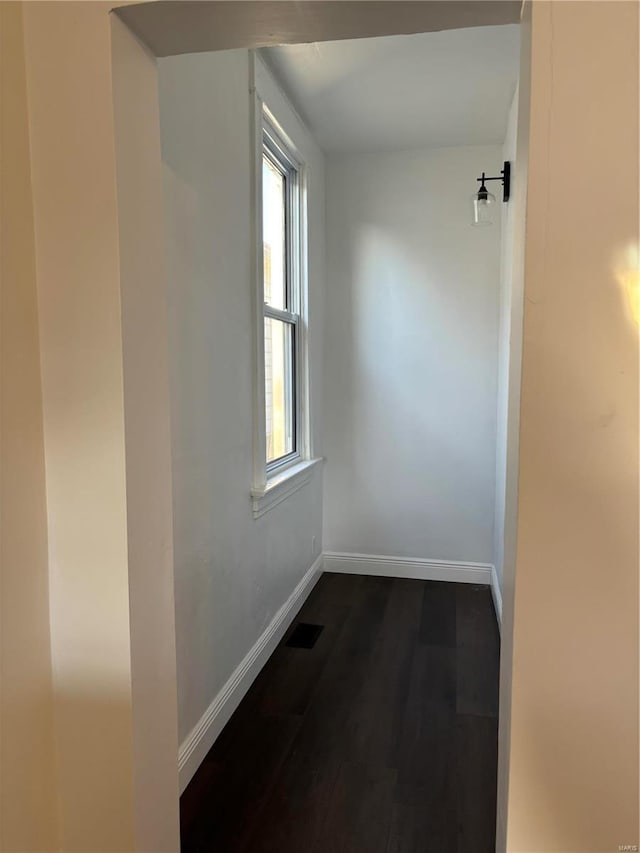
[483,208]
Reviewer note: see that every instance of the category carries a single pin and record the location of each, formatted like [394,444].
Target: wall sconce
[483,201]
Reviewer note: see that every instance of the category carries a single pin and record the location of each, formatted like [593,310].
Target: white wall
[510,376]
[73,173]
[411,356]
[232,572]
[28,819]
[107,475]
[143,277]
[570,657]
[509,349]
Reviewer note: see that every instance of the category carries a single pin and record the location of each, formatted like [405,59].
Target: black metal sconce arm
[504,176]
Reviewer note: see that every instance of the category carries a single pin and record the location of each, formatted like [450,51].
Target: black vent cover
[304,635]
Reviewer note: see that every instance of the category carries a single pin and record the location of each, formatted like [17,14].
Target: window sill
[281,486]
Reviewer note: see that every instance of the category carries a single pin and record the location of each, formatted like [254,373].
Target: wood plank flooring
[382,738]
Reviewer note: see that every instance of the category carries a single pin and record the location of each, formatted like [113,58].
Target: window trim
[286,161]
[271,480]
[282,485]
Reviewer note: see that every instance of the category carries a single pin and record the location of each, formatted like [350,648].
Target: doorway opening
[250,547]
[332,183]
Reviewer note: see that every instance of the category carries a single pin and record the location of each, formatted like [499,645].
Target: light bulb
[483,207]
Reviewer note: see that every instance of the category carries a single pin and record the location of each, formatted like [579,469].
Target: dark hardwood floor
[382,738]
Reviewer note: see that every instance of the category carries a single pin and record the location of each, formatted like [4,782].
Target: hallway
[382,738]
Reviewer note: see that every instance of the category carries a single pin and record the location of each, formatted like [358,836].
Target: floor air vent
[304,635]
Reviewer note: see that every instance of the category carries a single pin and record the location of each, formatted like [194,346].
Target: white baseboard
[202,737]
[408,567]
[496,594]
[418,569]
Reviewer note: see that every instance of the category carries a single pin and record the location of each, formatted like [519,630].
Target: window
[281,280]
[282,437]
[281,292]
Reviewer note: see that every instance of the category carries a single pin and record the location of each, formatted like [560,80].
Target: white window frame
[274,482]
[290,167]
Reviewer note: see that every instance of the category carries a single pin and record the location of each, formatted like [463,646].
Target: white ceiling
[428,90]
